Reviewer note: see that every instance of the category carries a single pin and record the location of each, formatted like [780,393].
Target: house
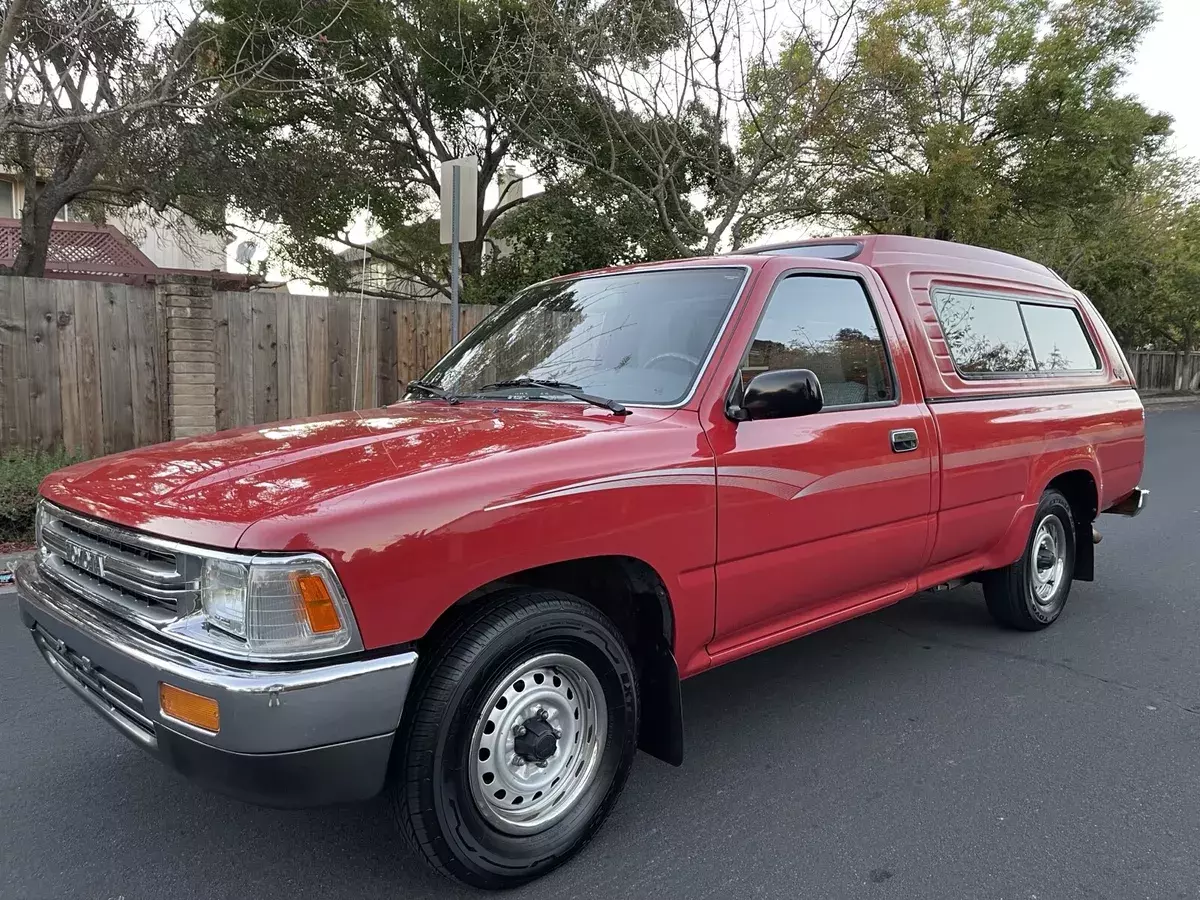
[135,245]
[373,274]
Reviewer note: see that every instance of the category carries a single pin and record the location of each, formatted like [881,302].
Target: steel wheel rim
[1048,560]
[522,795]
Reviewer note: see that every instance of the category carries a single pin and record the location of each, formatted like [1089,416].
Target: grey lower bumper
[289,737]
[1131,505]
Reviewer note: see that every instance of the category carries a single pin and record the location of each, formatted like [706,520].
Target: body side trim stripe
[1020,395]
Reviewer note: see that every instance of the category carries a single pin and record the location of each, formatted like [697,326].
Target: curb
[1168,399]
[7,561]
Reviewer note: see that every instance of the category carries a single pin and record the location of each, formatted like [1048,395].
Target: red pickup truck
[484,597]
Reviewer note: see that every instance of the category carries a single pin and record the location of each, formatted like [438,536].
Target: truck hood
[208,490]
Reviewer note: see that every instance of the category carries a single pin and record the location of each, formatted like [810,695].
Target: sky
[1162,76]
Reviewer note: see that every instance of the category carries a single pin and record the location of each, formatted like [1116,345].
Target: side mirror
[781,394]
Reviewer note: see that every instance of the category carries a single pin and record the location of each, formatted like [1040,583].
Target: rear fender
[1016,536]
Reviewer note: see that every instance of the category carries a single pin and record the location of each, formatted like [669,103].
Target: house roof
[102,253]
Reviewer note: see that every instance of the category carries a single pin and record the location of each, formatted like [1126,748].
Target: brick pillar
[191,354]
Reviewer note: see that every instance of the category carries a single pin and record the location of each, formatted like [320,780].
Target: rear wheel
[1031,593]
[519,738]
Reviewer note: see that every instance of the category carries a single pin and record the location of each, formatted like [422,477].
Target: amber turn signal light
[203,712]
[318,606]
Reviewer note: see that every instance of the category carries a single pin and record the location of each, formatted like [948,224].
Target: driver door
[822,513]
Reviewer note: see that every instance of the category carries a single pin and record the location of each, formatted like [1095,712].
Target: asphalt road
[916,753]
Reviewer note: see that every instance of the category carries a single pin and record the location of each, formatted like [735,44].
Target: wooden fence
[101,367]
[81,365]
[282,356]
[1165,371]
[87,365]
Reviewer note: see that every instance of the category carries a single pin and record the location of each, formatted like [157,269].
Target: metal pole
[455,203]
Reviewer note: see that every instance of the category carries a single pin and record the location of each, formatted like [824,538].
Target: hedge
[21,472]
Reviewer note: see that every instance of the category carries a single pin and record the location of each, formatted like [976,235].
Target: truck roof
[877,250]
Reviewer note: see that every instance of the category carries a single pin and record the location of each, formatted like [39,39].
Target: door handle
[904,440]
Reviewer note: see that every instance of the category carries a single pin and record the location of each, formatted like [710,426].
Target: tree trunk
[471,257]
[30,261]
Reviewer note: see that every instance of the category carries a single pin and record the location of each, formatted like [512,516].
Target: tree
[1175,314]
[431,91]
[101,99]
[571,227]
[691,125]
[1004,123]
[966,118]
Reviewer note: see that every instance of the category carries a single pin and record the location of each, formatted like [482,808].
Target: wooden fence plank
[318,355]
[441,334]
[5,362]
[224,388]
[241,361]
[68,367]
[300,350]
[339,370]
[263,325]
[45,400]
[160,350]
[143,366]
[85,296]
[14,361]
[405,342]
[369,359]
[283,356]
[116,390]
[388,390]
[421,321]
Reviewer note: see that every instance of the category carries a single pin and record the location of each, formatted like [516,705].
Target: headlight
[276,607]
[223,589]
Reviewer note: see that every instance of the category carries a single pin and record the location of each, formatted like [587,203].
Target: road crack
[1181,705]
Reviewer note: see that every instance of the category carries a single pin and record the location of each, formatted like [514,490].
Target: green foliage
[569,228]
[21,472]
[1004,123]
[394,89]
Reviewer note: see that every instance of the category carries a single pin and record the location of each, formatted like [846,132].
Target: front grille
[117,568]
[117,697]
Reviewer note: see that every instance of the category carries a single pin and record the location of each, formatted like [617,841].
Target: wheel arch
[1083,494]
[634,596]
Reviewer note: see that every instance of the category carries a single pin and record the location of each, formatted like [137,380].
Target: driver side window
[826,324]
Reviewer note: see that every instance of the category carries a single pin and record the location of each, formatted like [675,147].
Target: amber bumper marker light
[318,606]
[202,712]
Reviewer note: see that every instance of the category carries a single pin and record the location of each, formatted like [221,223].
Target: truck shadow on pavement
[783,716]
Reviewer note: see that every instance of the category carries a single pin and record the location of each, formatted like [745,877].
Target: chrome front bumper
[288,737]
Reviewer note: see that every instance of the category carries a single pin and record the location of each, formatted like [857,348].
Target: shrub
[21,471]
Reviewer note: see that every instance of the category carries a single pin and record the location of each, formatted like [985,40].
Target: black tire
[1010,592]
[432,786]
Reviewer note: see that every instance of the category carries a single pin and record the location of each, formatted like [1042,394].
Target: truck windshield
[636,337]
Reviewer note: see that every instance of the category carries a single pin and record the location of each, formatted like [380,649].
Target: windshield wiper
[562,387]
[433,391]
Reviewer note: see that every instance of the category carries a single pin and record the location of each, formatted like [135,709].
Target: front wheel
[520,738]
[1031,593]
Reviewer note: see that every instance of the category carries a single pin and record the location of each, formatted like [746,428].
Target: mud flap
[1085,553]
[661,733]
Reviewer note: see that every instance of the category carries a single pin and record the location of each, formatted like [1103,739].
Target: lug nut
[543,715]
[541,764]
[519,730]
[557,733]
